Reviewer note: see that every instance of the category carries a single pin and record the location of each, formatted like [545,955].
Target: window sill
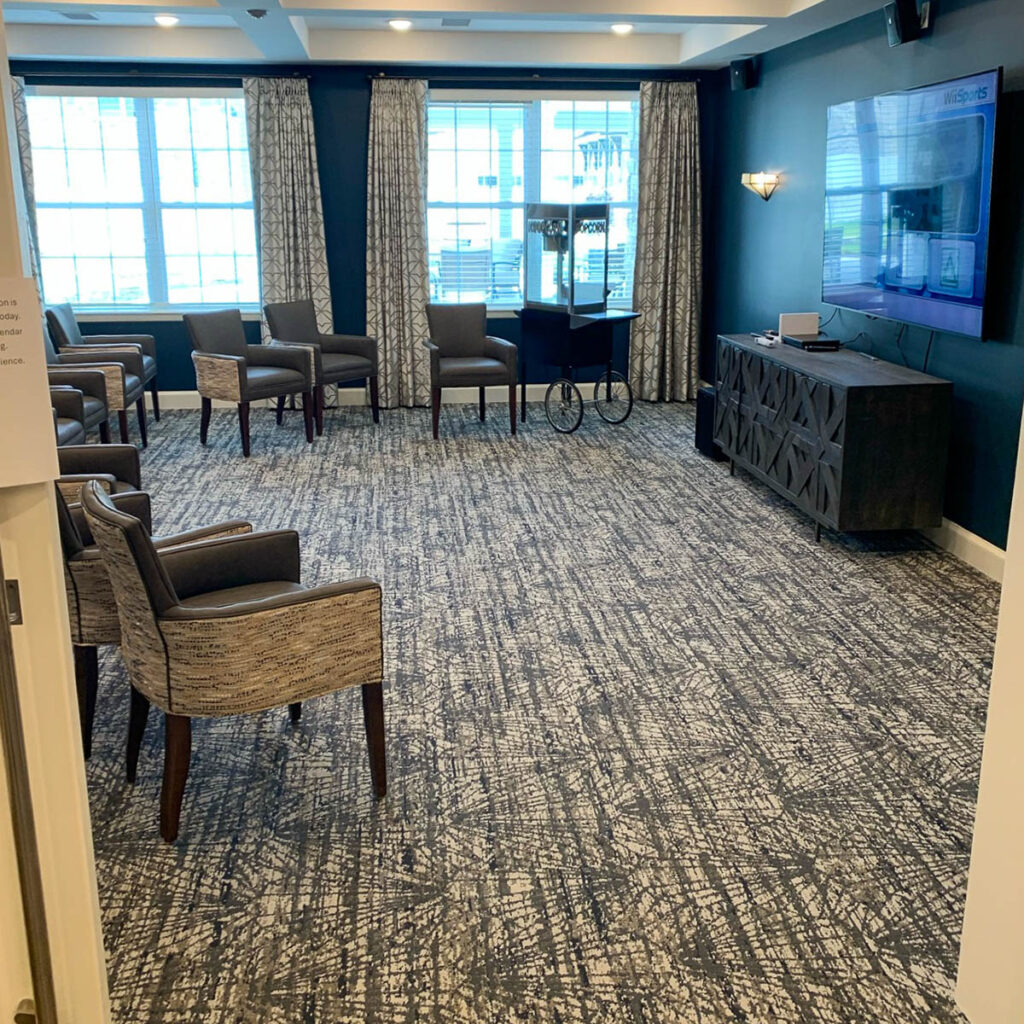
[144,315]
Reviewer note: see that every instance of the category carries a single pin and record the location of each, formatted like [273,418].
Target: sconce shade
[762,183]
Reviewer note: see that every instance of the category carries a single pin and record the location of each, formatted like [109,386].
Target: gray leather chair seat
[342,366]
[69,431]
[270,381]
[470,371]
[250,594]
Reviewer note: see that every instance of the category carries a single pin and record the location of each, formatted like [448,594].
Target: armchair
[463,355]
[337,358]
[115,466]
[228,368]
[68,415]
[67,334]
[122,386]
[93,385]
[92,611]
[225,627]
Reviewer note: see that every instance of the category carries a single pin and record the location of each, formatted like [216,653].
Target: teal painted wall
[766,257]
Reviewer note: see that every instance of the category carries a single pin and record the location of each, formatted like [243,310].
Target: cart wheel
[613,397]
[563,404]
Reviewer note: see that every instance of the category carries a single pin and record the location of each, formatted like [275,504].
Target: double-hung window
[491,154]
[143,198]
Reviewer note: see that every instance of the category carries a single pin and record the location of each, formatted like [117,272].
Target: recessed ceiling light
[622,28]
[166,20]
[400,24]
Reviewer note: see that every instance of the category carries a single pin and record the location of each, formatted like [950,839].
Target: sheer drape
[397,277]
[667,279]
[286,195]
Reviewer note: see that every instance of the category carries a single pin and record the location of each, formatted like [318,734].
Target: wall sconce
[762,183]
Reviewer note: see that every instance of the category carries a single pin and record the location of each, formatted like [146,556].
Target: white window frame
[152,206]
[499,95]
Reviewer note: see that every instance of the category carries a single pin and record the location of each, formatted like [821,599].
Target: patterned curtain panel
[667,279]
[397,276]
[286,195]
[27,178]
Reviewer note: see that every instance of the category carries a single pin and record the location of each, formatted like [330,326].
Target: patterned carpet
[654,755]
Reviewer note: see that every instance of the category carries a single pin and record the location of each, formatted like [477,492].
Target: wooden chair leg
[138,714]
[204,420]
[105,432]
[281,399]
[140,408]
[483,406]
[243,425]
[375,399]
[435,405]
[373,720]
[154,393]
[122,425]
[177,754]
[295,712]
[319,410]
[87,675]
[307,414]
[512,407]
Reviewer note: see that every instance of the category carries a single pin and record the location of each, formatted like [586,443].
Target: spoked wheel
[613,397]
[563,404]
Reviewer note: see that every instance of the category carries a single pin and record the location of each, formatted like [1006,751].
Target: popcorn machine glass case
[567,257]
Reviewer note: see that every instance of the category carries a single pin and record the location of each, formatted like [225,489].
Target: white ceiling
[523,33]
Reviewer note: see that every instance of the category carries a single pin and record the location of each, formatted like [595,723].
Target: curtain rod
[498,79]
[170,75]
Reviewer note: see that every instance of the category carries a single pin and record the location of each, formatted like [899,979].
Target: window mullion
[156,269]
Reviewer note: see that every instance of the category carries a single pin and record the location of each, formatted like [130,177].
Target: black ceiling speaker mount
[905,22]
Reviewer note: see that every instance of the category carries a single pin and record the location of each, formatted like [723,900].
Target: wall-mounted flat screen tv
[908,187]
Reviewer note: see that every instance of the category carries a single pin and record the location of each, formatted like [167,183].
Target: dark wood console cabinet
[856,443]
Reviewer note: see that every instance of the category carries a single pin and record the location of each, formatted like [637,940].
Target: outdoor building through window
[488,157]
[143,199]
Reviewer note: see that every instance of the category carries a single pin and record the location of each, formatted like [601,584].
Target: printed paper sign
[28,445]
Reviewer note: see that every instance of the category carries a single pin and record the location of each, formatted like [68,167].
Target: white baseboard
[357,396]
[970,548]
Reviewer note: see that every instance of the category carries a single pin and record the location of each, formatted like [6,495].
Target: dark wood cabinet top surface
[844,368]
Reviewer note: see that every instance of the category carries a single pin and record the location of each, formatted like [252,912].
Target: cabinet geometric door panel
[856,445]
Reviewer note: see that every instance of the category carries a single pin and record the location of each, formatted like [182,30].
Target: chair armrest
[135,503]
[505,352]
[146,342]
[113,372]
[70,484]
[435,361]
[220,376]
[119,460]
[229,528]
[68,403]
[285,357]
[89,382]
[129,356]
[295,599]
[311,349]
[233,562]
[350,344]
